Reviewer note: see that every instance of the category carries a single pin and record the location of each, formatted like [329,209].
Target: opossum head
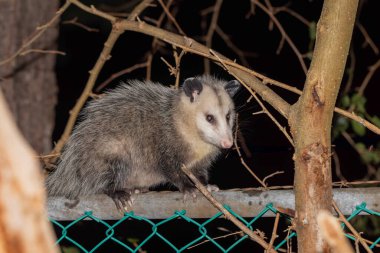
[209,105]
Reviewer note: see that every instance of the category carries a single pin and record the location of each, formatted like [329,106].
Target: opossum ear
[232,87]
[192,88]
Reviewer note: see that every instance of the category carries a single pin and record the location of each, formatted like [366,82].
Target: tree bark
[28,82]
[24,227]
[311,119]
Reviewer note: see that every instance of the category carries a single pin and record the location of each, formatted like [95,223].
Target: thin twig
[241,157]
[271,175]
[274,232]
[283,33]
[211,31]
[120,73]
[42,51]
[170,16]
[240,53]
[177,59]
[226,213]
[371,71]
[293,13]
[155,43]
[216,238]
[353,230]
[353,116]
[91,9]
[367,38]
[74,21]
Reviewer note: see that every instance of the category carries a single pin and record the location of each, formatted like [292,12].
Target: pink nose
[226,143]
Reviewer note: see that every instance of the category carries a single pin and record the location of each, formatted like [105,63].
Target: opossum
[139,134]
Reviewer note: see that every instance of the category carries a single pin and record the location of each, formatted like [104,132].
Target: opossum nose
[226,143]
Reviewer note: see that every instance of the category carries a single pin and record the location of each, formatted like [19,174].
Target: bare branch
[211,31]
[274,232]
[227,214]
[368,39]
[74,21]
[241,157]
[283,33]
[170,16]
[120,73]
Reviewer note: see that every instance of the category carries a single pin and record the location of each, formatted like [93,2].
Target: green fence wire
[109,234]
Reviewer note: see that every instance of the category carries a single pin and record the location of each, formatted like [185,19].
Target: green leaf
[346,101]
[366,157]
[360,147]
[375,120]
[358,128]
[341,125]
[359,101]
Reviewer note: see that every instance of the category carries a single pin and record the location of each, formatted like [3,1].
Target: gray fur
[129,139]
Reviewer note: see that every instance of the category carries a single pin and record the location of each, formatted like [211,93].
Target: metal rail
[245,202]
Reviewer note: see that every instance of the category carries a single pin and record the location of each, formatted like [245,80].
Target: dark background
[270,150]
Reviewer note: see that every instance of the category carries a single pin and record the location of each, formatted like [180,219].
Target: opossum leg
[122,198]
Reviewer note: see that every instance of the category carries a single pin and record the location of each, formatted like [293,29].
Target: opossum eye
[210,118]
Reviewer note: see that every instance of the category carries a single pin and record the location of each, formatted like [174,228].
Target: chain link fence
[133,244]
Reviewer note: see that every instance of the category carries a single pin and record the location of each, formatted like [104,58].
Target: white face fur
[212,108]
[215,117]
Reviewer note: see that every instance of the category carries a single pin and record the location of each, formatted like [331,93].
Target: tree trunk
[28,82]
[311,119]
[24,227]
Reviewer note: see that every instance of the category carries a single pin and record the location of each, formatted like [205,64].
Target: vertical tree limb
[311,118]
[24,226]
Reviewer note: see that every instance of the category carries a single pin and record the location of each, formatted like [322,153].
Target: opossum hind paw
[123,200]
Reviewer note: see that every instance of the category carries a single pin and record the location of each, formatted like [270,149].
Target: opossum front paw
[212,188]
[123,200]
[190,193]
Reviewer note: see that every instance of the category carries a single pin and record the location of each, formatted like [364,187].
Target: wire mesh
[63,231]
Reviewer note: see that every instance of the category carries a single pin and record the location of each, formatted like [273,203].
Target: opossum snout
[226,143]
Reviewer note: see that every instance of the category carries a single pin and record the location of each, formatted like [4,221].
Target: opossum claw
[123,200]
